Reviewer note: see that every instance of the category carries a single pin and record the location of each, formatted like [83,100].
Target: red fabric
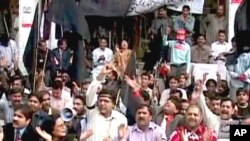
[177,134]
[137,93]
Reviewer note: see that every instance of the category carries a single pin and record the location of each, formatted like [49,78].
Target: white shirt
[9,53]
[64,102]
[102,127]
[98,65]
[217,48]
[166,94]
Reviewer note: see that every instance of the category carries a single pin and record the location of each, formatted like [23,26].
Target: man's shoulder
[119,115]
[96,50]
[54,50]
[109,50]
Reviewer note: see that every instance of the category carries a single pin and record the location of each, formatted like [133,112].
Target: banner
[138,7]
[27,10]
[196,6]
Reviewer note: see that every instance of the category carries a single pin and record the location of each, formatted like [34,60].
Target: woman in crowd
[122,57]
[55,129]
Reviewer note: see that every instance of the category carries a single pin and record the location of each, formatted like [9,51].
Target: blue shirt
[180,52]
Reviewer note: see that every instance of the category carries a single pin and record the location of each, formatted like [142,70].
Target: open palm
[44,134]
[85,135]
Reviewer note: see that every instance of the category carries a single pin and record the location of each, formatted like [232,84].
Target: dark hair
[210,81]
[146,74]
[82,98]
[25,109]
[15,90]
[150,109]
[163,7]
[224,85]
[17,77]
[227,99]
[60,41]
[173,77]
[57,84]
[241,90]
[201,35]
[176,91]
[41,41]
[186,7]
[108,93]
[36,94]
[176,101]
[222,31]
[145,95]
[215,98]
[104,38]
[49,124]
[43,92]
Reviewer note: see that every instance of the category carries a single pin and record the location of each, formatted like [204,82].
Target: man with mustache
[46,107]
[194,129]
[79,122]
[20,129]
[220,123]
[101,116]
[7,107]
[143,129]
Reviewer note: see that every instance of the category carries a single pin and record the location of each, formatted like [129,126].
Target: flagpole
[39,6]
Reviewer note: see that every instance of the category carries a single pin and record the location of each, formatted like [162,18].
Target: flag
[106,8]
[67,14]
[127,92]
[31,45]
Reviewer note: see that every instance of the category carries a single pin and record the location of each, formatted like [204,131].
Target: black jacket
[28,134]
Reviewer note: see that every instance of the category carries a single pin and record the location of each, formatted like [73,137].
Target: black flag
[106,8]
[127,96]
[67,14]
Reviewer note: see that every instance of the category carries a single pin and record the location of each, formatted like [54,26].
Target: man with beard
[35,102]
[160,25]
[220,123]
[44,62]
[144,129]
[7,107]
[20,129]
[46,107]
[80,120]
[194,130]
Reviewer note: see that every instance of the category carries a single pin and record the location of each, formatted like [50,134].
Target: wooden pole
[117,98]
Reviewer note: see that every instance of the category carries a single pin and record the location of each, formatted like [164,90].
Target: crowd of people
[178,108]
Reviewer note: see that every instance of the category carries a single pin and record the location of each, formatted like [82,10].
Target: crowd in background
[171,106]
